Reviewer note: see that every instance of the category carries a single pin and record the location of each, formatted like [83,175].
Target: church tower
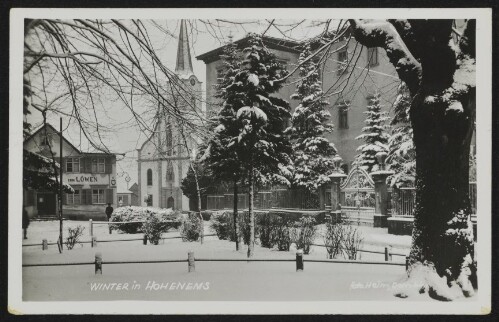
[163,160]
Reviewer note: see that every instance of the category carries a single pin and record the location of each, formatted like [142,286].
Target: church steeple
[184,62]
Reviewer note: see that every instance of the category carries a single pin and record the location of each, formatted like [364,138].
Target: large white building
[163,159]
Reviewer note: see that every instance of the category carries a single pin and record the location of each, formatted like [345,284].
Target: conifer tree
[401,153]
[312,152]
[374,135]
[262,148]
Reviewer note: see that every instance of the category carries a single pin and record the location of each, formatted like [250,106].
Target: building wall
[356,86]
[82,179]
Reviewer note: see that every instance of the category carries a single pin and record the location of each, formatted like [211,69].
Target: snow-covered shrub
[222,224]
[74,235]
[282,236]
[153,228]
[266,227]
[139,215]
[352,240]
[190,228]
[307,232]
[333,238]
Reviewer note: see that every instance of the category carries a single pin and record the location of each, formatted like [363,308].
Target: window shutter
[108,167]
[88,165]
[109,196]
[82,165]
[86,197]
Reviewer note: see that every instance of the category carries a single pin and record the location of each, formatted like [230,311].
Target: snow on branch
[381,33]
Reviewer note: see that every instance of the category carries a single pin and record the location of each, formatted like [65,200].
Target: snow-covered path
[218,280]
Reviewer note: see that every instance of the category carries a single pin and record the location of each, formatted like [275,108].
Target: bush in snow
[333,238]
[352,240]
[306,233]
[169,217]
[190,228]
[374,135]
[222,225]
[312,152]
[153,228]
[74,235]
[266,228]
[282,233]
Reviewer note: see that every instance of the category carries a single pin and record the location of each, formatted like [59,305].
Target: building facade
[91,175]
[163,159]
[350,74]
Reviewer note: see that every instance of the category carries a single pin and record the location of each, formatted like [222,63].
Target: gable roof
[270,42]
[48,125]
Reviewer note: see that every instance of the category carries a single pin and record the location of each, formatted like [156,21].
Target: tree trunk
[200,215]
[236,221]
[443,246]
[251,244]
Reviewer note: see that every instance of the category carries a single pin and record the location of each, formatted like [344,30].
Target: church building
[163,159]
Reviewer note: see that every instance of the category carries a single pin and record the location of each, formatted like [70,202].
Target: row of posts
[191,262]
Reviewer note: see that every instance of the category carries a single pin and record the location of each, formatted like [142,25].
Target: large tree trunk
[251,244]
[236,219]
[443,233]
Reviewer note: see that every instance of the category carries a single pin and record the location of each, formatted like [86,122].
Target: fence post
[388,254]
[191,264]
[98,263]
[45,245]
[110,229]
[145,239]
[406,263]
[91,227]
[299,260]
[94,241]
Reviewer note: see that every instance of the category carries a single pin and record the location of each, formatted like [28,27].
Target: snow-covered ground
[218,280]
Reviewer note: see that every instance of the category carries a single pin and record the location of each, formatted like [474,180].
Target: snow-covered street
[211,281]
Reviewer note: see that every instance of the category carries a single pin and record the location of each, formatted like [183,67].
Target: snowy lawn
[218,280]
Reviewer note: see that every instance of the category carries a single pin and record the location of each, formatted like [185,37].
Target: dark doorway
[46,203]
[170,203]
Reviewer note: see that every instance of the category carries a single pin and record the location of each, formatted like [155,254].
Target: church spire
[184,62]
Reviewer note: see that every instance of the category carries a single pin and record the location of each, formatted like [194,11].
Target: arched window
[149,177]
[170,175]
[169,140]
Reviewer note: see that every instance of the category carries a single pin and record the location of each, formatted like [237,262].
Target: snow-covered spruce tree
[374,135]
[312,152]
[219,154]
[401,153]
[261,146]
[441,78]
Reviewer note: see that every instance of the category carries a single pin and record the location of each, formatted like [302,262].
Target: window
[342,61]
[169,140]
[343,115]
[149,177]
[73,165]
[169,171]
[98,196]
[74,198]
[220,75]
[372,57]
[98,165]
